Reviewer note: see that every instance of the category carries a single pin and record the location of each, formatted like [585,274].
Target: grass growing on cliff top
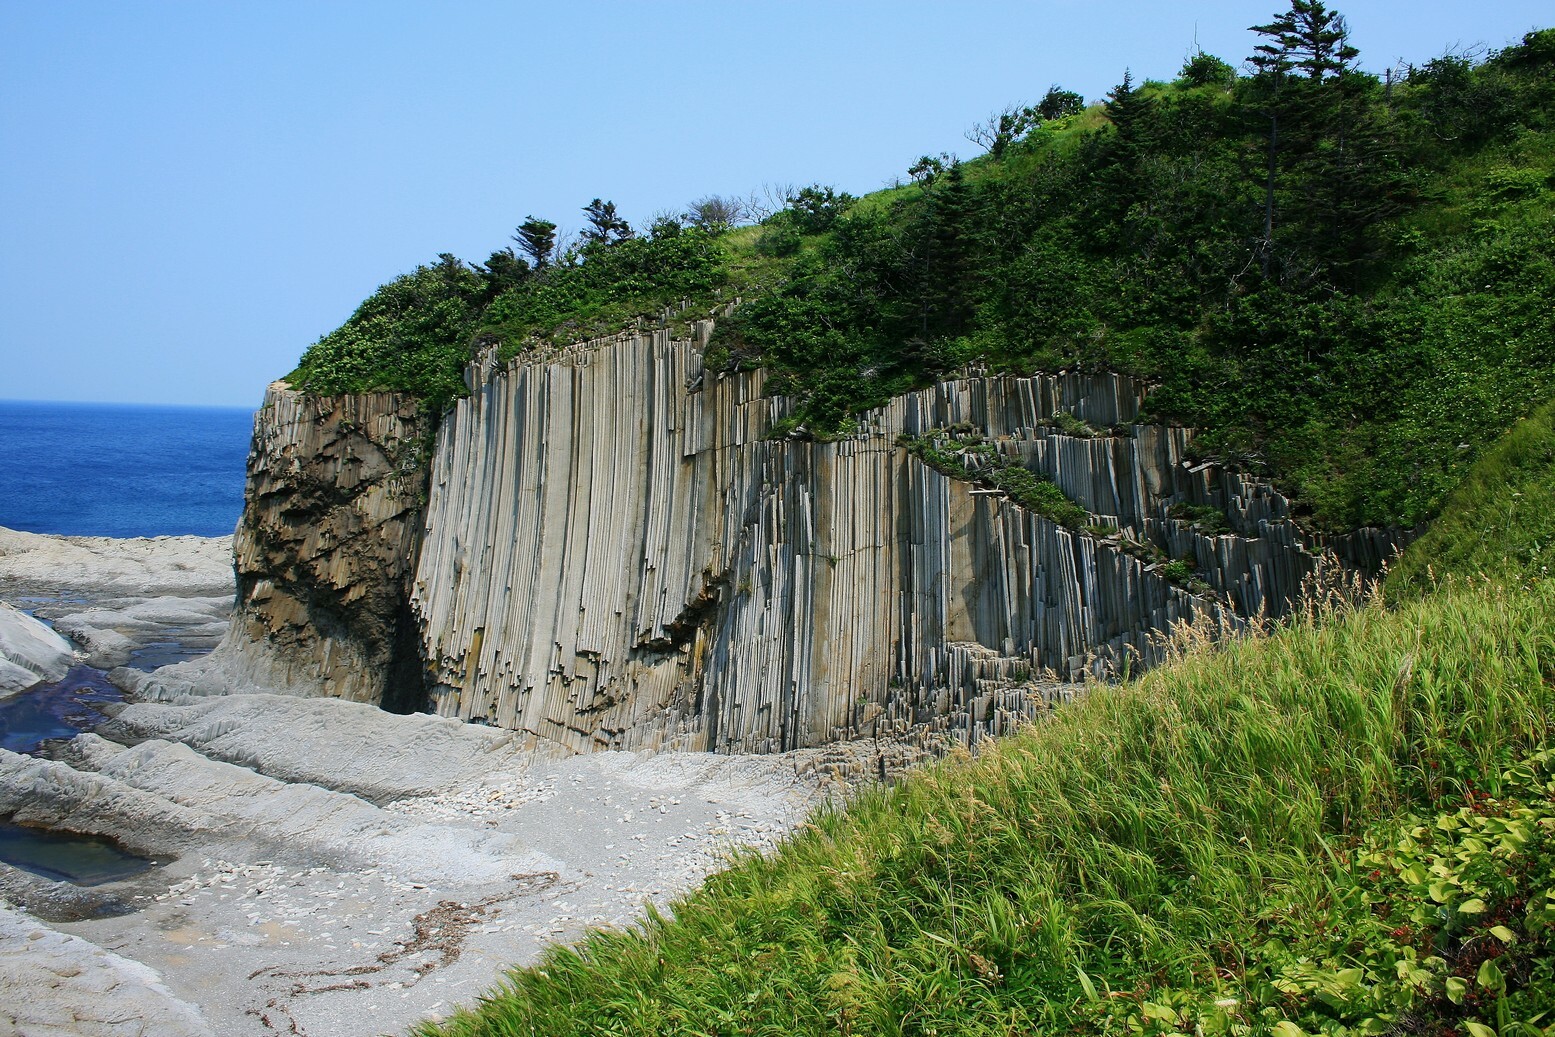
[1399,305]
[1321,830]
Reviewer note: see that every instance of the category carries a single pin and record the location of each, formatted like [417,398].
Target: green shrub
[1210,521]
[411,335]
[964,454]
[779,238]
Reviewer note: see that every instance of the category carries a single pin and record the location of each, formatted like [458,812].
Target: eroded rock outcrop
[29,651]
[55,983]
[613,552]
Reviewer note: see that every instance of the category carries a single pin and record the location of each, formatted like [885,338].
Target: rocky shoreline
[324,868]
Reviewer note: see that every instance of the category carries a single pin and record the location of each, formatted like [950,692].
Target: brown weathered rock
[327,543]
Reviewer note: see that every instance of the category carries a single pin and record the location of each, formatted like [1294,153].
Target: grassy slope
[1500,522]
[1316,831]
[1189,838]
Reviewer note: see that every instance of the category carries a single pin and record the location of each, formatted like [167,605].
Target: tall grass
[1144,840]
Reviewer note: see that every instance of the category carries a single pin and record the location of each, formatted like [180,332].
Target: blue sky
[192,192]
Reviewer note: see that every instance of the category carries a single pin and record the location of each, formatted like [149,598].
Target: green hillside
[1334,828]
[1499,522]
[1356,306]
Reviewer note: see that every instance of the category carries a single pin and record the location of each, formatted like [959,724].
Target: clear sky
[192,192]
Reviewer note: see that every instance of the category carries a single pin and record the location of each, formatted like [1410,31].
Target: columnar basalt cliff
[617,555]
[609,549]
[326,547]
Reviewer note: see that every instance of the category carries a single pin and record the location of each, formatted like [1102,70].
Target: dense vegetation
[1343,826]
[1346,281]
[1358,305]
[1498,523]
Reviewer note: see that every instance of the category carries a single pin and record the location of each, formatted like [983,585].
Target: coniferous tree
[537,239]
[1129,110]
[605,226]
[1326,143]
[947,261]
[1117,173]
[1309,38]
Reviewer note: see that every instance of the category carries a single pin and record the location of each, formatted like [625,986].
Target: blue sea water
[120,470]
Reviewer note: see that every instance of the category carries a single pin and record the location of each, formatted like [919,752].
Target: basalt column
[619,555]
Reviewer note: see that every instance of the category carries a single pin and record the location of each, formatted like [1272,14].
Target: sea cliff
[614,552]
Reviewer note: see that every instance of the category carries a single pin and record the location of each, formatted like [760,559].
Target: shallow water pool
[60,710]
[86,860]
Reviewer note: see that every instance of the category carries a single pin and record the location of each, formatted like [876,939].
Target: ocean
[121,470]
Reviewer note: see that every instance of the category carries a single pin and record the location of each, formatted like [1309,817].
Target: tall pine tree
[1327,146]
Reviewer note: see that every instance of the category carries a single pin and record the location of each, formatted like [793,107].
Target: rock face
[332,869]
[56,983]
[326,546]
[614,554]
[616,557]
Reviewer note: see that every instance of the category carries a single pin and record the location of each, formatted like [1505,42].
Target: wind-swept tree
[537,240]
[816,209]
[928,168]
[605,226]
[1058,103]
[1309,38]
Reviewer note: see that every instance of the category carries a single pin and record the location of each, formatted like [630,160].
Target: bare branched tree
[717,213]
[1001,129]
[666,223]
[772,198]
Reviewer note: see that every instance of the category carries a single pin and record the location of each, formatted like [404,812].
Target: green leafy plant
[1208,520]
[965,454]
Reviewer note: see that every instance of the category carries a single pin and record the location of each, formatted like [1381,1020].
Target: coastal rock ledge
[323,556]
